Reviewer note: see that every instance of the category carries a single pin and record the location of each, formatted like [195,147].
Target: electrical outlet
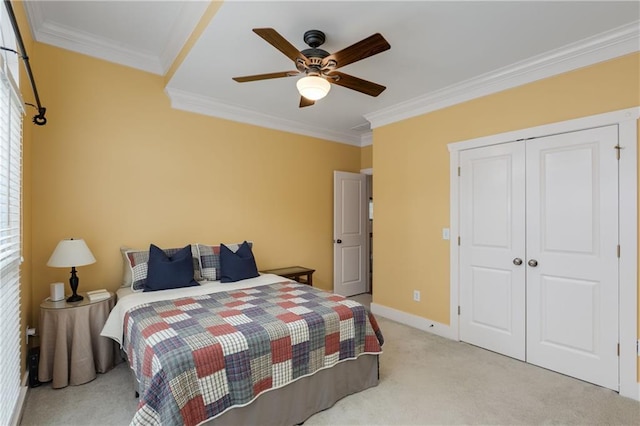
[416,295]
[30,333]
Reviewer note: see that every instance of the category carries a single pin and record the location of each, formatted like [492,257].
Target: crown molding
[76,41]
[102,48]
[366,139]
[604,46]
[34,16]
[191,102]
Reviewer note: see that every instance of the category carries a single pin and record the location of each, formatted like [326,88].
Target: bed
[264,350]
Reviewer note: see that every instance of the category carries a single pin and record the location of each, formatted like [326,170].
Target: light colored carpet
[424,379]
[364,298]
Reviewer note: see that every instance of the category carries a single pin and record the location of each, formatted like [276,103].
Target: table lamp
[72,253]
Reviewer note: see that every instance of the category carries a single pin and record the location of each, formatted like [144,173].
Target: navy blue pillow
[166,272]
[237,266]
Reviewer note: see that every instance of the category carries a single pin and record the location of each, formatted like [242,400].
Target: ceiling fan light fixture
[313,87]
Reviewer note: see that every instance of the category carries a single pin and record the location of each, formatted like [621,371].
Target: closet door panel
[572,235]
[492,291]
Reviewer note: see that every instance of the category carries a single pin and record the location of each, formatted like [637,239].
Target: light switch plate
[445,233]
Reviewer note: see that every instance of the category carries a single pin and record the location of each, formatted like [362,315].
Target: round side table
[71,348]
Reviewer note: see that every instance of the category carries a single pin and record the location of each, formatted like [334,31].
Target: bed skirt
[296,402]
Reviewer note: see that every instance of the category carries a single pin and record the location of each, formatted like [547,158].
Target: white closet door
[492,221]
[559,308]
[572,235]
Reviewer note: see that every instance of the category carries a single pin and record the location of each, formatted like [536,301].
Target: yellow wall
[366,157]
[117,166]
[411,164]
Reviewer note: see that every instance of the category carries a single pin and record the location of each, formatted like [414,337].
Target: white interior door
[350,233]
[564,297]
[572,235]
[492,284]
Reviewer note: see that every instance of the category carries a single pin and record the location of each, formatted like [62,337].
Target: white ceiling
[441,52]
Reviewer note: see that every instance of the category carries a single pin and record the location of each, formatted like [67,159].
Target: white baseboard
[22,398]
[414,321]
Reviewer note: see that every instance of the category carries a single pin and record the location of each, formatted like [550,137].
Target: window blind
[10,244]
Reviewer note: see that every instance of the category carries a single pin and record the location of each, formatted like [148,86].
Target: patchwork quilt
[195,357]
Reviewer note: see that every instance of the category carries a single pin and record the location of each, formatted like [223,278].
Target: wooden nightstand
[294,273]
[71,348]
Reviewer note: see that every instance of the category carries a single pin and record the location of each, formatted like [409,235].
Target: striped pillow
[136,262]
[210,260]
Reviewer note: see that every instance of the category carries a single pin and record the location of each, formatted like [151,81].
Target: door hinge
[458,240]
[458,170]
[618,251]
[458,310]
[618,349]
[617,148]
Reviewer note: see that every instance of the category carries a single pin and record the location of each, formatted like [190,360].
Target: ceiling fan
[319,66]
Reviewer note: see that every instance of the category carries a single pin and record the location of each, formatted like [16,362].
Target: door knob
[517,261]
[533,263]
[339,241]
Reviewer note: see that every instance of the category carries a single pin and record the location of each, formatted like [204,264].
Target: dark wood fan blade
[355,83]
[304,102]
[272,37]
[265,76]
[363,49]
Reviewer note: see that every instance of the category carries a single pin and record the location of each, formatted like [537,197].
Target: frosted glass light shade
[313,87]
[71,253]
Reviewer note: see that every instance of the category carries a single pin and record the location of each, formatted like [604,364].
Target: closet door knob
[533,263]
[517,261]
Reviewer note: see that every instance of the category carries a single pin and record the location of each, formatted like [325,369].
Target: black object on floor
[33,358]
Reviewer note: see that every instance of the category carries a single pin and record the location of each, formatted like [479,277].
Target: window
[10,237]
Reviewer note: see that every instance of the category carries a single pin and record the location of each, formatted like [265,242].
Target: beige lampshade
[71,253]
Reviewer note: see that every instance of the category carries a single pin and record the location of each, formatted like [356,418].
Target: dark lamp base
[75,298]
[73,283]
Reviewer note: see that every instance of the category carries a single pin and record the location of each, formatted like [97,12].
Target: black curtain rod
[39,118]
